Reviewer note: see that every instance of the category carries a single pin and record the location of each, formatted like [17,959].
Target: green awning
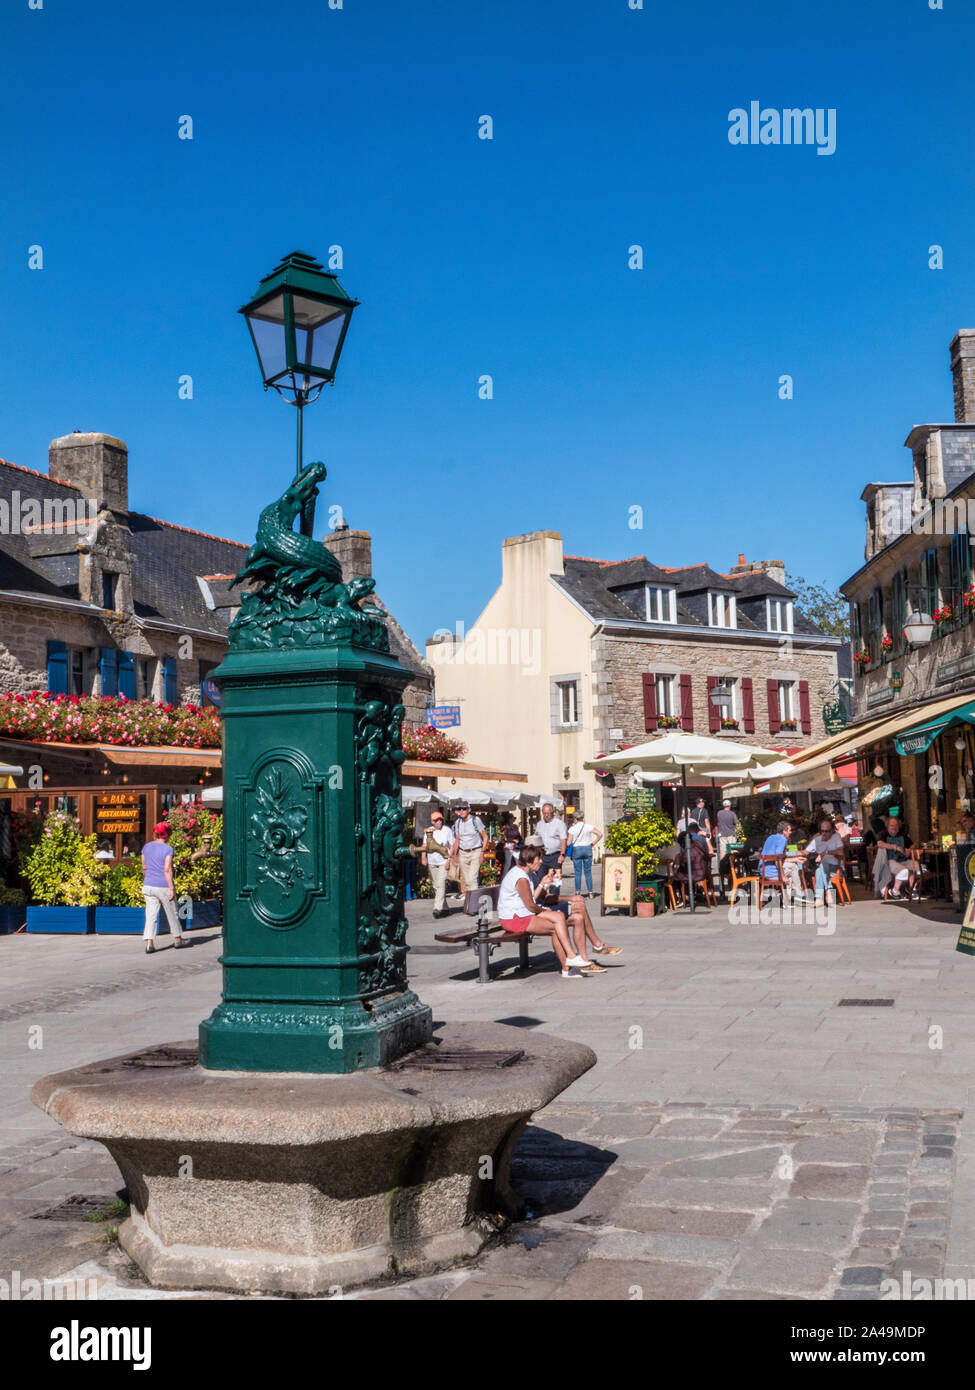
[920,738]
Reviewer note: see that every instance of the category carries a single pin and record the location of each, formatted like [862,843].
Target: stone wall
[620,663]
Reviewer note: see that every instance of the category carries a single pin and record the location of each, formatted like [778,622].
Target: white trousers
[154,897]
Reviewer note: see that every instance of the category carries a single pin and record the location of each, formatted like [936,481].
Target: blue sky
[612,387]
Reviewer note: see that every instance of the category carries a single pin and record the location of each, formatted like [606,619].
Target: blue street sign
[210,692]
[443,716]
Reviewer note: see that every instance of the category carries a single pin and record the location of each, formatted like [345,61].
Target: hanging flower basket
[862,657]
[944,615]
[886,643]
[968,599]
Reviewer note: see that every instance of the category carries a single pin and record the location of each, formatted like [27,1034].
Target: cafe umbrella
[709,757]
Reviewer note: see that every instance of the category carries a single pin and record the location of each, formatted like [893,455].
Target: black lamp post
[298,320]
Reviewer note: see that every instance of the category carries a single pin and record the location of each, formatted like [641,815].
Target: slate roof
[166,558]
[593,585]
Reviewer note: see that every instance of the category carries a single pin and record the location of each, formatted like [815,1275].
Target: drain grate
[164,1057]
[77,1208]
[865,1004]
[458,1059]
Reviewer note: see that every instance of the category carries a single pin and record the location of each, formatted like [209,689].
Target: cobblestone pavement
[744,1134]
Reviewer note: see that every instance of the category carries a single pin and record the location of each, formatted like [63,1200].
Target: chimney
[775,569]
[741,558]
[96,464]
[353,550]
[963,374]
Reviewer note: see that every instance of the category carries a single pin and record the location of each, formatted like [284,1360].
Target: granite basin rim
[109,1101]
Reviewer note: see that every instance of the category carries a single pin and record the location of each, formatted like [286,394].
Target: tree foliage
[827,608]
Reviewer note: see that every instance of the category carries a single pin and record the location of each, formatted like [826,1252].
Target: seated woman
[545,890]
[519,912]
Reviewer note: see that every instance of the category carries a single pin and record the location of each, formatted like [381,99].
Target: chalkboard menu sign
[119,813]
[639,800]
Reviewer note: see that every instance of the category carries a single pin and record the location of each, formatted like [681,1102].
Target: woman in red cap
[158,886]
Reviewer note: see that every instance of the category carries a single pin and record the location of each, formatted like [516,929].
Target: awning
[920,738]
[818,768]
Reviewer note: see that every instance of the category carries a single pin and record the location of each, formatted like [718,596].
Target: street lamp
[721,697]
[298,320]
[919,628]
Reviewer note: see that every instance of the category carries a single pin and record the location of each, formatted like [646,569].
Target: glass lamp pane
[318,329]
[270,343]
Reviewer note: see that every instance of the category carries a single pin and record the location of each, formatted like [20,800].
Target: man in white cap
[469,843]
[727,825]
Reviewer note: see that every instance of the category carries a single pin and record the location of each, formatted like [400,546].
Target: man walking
[436,860]
[727,824]
[553,836]
[469,843]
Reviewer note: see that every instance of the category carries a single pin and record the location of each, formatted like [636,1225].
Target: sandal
[605,950]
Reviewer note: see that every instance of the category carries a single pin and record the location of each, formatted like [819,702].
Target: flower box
[789,726]
[12,919]
[205,914]
[76,921]
[123,921]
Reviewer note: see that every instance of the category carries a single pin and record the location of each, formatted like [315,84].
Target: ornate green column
[314,958]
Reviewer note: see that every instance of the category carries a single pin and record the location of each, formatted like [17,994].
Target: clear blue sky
[612,387]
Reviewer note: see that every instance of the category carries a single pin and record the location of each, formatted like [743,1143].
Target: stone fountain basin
[309,1183]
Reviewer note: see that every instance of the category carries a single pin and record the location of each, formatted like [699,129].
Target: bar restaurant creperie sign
[118,813]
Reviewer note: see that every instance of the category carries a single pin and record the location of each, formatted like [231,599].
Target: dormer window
[778,614]
[721,610]
[661,604]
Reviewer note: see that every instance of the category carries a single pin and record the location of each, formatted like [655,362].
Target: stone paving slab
[741,1135]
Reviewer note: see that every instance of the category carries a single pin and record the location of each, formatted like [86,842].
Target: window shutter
[170,691]
[57,667]
[747,704]
[126,675]
[108,667]
[774,719]
[686,705]
[714,714]
[649,700]
[805,719]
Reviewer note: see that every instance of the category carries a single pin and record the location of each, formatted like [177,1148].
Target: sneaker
[571,975]
[577,961]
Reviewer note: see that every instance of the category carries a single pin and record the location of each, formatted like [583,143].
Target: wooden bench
[488,897]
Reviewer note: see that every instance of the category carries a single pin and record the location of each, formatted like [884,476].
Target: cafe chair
[739,881]
[764,881]
[839,882]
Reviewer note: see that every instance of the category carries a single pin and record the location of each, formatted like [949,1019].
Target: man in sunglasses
[436,860]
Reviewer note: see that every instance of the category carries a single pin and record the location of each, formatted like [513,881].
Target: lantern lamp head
[298,320]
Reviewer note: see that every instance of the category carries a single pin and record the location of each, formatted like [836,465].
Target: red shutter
[747,705]
[805,721]
[774,719]
[686,705]
[714,714]
[649,700]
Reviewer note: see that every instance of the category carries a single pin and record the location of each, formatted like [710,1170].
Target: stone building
[96,598]
[575,657]
[918,559]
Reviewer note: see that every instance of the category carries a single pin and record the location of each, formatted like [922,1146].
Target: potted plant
[63,874]
[729,724]
[13,908]
[862,657]
[643,897]
[196,837]
[668,721]
[789,725]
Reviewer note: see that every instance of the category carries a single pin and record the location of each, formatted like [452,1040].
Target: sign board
[210,692]
[951,670]
[619,881]
[883,696]
[443,716]
[966,937]
[118,813]
[639,800]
